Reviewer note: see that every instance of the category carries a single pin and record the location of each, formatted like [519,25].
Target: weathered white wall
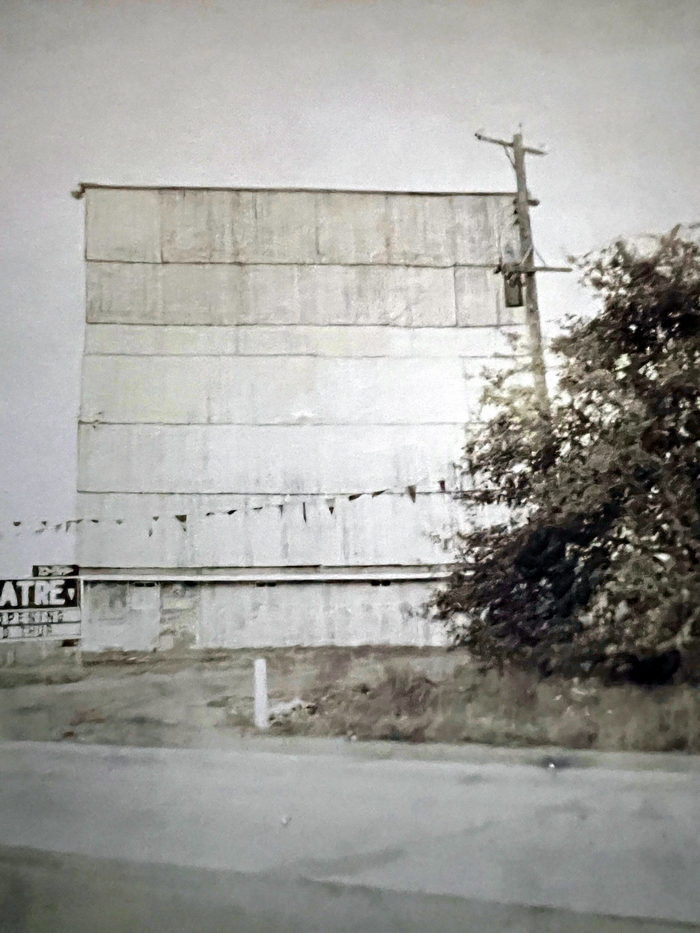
[367,341]
[263,531]
[298,227]
[259,391]
[257,352]
[277,459]
[216,294]
[245,615]
[316,614]
[120,617]
[290,373]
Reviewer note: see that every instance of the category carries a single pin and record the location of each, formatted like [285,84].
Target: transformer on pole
[526,267]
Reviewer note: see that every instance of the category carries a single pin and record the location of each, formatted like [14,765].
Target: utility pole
[526,266]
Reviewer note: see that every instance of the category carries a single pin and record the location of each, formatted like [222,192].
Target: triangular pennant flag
[119,521]
[16,524]
[411,490]
[58,526]
[331,505]
[155,518]
[231,511]
[280,506]
[379,492]
[355,495]
[443,486]
[208,514]
[95,521]
[183,521]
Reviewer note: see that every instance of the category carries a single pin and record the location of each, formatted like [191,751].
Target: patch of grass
[398,705]
[399,702]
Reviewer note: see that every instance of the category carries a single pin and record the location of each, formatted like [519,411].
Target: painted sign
[40,608]
[55,570]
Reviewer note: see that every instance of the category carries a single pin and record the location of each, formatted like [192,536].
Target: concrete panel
[230,294]
[407,297]
[311,531]
[238,615]
[336,227]
[179,615]
[122,225]
[207,226]
[170,294]
[484,229]
[239,226]
[260,340]
[353,228]
[285,227]
[246,616]
[124,617]
[480,297]
[377,342]
[243,458]
[43,653]
[257,390]
[421,230]
[144,340]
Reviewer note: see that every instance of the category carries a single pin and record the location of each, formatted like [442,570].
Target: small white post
[261,715]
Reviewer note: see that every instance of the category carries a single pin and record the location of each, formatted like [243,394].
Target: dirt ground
[198,698]
[402,694]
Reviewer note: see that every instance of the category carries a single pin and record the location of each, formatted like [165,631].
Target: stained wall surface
[167,616]
[276,379]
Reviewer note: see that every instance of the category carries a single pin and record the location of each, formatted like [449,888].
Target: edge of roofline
[84,186]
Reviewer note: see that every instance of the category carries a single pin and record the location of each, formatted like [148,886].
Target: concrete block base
[174,616]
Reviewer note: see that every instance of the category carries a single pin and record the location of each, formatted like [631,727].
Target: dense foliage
[597,567]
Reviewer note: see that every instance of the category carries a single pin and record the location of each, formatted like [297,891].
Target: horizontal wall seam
[396,327]
[135,577]
[318,327]
[96,423]
[314,356]
[295,264]
[306,423]
[307,495]
[201,571]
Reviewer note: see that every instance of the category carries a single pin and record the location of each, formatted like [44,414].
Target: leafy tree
[597,567]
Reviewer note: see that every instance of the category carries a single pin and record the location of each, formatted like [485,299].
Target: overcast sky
[318,93]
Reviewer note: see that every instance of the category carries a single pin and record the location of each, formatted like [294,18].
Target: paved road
[96,838]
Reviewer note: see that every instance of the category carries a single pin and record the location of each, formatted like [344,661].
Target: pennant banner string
[411,490]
